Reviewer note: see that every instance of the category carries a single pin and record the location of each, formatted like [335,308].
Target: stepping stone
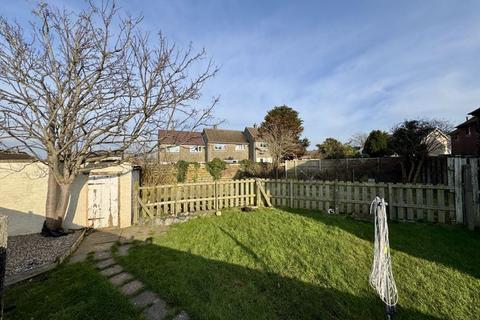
[102,247]
[157,311]
[123,250]
[121,278]
[131,288]
[102,255]
[111,271]
[105,263]
[77,257]
[182,316]
[146,298]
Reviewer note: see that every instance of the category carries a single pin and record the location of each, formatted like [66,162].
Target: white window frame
[240,147]
[219,147]
[172,149]
[196,149]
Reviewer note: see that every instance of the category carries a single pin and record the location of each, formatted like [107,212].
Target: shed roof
[7,155]
[173,137]
[224,136]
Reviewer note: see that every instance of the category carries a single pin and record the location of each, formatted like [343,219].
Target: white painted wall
[23,192]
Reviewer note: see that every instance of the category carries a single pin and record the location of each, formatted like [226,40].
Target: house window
[195,149]
[468,131]
[219,147]
[173,149]
[240,147]
[263,145]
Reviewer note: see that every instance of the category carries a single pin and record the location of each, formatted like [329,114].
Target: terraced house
[180,145]
[231,146]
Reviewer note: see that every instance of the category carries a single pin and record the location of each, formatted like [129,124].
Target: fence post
[458,190]
[335,195]
[291,194]
[215,195]
[257,193]
[3,257]
[135,202]
[390,200]
[468,196]
[175,192]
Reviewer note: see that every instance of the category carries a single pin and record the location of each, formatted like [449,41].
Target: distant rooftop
[224,136]
[173,137]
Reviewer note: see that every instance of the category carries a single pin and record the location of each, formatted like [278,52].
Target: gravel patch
[27,252]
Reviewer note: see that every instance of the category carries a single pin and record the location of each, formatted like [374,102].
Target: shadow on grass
[209,289]
[452,246]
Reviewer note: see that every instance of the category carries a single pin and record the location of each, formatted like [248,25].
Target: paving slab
[182,316]
[131,288]
[121,278]
[105,263]
[145,299]
[78,257]
[111,270]
[102,255]
[156,311]
[123,250]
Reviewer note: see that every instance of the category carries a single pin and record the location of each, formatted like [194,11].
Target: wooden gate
[102,201]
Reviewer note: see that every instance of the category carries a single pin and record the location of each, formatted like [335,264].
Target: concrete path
[100,243]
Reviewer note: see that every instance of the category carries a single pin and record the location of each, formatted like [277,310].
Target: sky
[347,67]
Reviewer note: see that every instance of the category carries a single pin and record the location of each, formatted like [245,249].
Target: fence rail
[433,203]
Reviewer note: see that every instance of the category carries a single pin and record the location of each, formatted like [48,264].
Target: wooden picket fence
[433,203]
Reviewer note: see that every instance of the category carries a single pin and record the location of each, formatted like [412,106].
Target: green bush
[248,169]
[216,168]
[196,167]
[182,169]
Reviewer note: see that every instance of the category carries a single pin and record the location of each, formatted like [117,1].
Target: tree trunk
[58,196]
[62,204]
[417,171]
[51,205]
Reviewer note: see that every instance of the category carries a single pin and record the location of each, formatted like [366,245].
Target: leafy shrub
[182,169]
[196,167]
[216,168]
[248,169]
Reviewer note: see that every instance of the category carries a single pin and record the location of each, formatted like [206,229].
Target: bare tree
[80,87]
[280,142]
[358,140]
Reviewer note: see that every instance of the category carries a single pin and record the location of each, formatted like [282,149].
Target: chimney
[255,125]
[214,127]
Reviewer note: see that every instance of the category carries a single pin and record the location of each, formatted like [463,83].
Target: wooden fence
[433,203]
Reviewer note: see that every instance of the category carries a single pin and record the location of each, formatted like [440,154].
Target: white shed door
[102,201]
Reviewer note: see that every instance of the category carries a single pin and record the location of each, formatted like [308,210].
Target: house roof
[224,136]
[437,132]
[475,113]
[7,155]
[173,137]
[469,121]
[253,132]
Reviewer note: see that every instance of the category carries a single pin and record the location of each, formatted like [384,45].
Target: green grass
[274,264]
[70,292]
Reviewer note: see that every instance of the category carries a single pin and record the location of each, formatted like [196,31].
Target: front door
[102,201]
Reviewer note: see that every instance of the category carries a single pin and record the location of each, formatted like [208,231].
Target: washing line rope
[381,278]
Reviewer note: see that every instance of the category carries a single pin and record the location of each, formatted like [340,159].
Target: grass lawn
[70,292]
[274,264]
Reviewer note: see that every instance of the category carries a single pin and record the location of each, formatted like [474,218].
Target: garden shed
[101,196]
